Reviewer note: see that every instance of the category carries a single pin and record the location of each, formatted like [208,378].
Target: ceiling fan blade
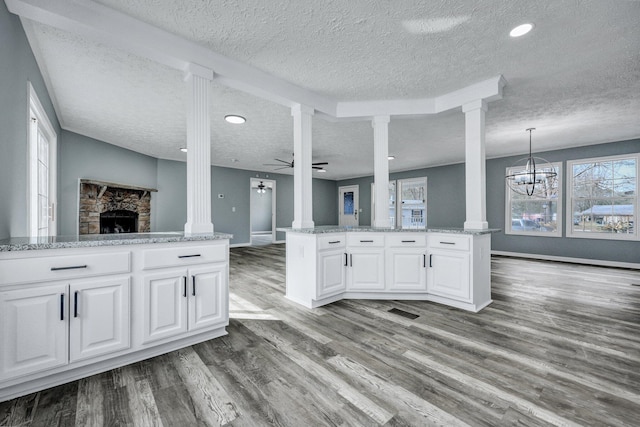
[320,163]
[272,164]
[285,167]
[283,161]
[317,167]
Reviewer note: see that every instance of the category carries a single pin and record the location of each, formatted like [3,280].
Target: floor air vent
[403,313]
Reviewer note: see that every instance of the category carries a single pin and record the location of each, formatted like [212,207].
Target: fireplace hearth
[113,208]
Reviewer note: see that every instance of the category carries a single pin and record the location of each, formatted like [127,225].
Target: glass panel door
[412,209]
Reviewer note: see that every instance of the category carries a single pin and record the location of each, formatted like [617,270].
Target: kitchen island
[74,306]
[448,266]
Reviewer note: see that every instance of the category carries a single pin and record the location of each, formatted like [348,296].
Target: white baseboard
[239,245]
[599,262]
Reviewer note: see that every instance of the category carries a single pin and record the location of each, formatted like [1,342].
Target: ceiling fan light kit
[529,172]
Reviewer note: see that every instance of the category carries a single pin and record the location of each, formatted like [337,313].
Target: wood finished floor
[558,346]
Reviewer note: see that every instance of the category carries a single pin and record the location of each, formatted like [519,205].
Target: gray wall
[445,194]
[600,249]
[17,67]
[261,210]
[87,158]
[446,205]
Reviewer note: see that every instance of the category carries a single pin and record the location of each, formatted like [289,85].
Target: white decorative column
[198,81]
[381,170]
[475,166]
[302,179]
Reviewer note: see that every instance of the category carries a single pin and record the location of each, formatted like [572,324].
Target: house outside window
[539,214]
[603,194]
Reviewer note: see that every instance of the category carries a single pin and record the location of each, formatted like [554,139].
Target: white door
[165,305]
[34,328]
[348,206]
[448,274]
[331,273]
[366,269]
[208,301]
[99,318]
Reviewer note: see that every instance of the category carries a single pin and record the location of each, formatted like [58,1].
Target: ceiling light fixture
[391,157]
[235,119]
[183,149]
[526,173]
[261,188]
[321,170]
[521,30]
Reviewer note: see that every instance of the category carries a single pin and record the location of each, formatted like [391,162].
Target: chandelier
[529,172]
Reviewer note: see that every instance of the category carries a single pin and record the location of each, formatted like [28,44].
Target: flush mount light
[236,120]
[521,30]
[183,149]
[391,157]
[321,170]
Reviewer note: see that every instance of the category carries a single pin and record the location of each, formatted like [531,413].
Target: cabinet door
[34,330]
[366,270]
[331,273]
[99,317]
[208,299]
[406,269]
[165,305]
[448,274]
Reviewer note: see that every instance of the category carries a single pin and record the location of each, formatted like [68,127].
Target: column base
[193,228]
[476,225]
[302,224]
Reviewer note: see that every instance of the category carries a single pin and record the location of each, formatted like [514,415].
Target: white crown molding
[114,28]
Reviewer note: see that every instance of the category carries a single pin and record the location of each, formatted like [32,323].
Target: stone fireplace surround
[97,197]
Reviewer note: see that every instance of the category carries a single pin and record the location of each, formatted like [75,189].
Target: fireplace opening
[118,221]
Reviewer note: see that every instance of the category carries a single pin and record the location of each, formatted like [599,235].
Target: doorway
[262,212]
[348,205]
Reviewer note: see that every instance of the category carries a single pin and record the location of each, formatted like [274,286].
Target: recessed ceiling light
[321,170]
[521,30]
[183,149]
[391,157]
[236,120]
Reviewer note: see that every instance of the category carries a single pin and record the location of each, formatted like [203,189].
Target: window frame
[559,213]
[636,199]
[37,119]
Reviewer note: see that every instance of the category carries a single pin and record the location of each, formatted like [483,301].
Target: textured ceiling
[575,77]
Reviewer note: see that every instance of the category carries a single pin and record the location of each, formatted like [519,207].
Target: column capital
[192,69]
[302,109]
[478,104]
[380,120]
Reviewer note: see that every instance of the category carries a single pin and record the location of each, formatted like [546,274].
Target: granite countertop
[93,240]
[322,229]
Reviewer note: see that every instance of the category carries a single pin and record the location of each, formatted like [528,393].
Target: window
[603,196]
[407,203]
[539,214]
[42,169]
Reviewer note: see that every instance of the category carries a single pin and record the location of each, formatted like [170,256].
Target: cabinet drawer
[448,241]
[365,239]
[185,255]
[331,241]
[51,268]
[402,240]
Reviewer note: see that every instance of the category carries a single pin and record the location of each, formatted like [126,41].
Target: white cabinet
[365,270]
[449,265]
[49,326]
[177,301]
[35,331]
[406,262]
[331,272]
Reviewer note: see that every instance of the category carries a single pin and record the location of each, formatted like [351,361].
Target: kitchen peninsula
[75,306]
[447,266]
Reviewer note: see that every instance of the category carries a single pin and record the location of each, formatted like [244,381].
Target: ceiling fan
[284,164]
